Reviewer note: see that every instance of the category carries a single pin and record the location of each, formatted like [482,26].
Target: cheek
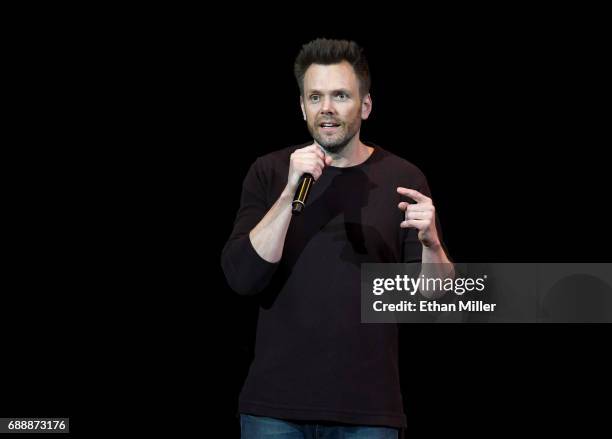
[354,116]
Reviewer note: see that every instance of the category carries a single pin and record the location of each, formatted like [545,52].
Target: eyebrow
[319,92]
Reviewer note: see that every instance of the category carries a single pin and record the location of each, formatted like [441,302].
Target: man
[317,368]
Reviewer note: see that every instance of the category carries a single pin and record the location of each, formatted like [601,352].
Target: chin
[334,148]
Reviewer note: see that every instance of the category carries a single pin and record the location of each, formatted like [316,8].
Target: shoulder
[271,168]
[278,158]
[394,165]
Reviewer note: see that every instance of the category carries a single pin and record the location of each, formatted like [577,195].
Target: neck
[354,153]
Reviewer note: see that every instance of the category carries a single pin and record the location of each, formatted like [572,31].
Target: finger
[312,161]
[317,149]
[309,152]
[317,167]
[418,215]
[413,224]
[309,168]
[315,171]
[321,163]
[319,154]
[419,207]
[414,194]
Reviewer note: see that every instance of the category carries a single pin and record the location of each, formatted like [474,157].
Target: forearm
[434,254]
[268,236]
[436,265]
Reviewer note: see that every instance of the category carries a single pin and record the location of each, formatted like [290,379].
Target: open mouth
[329,126]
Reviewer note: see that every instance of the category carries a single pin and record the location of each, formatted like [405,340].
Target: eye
[314,98]
[342,96]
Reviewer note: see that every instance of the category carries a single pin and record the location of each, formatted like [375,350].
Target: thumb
[328,160]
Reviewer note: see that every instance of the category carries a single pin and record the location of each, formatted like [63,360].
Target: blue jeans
[259,427]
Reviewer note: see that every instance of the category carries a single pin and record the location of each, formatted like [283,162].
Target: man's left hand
[420,216]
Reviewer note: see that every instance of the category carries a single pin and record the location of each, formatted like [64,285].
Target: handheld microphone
[301,194]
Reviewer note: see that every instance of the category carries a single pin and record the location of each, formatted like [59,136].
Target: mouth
[329,126]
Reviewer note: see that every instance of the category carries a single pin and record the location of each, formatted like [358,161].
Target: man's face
[332,106]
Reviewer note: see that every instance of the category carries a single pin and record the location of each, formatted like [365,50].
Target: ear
[366,106]
[302,106]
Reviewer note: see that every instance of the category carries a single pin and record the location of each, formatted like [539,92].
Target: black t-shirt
[314,359]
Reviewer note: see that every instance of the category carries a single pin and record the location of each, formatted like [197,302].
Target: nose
[326,106]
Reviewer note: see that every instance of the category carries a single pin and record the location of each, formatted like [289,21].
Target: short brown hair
[325,51]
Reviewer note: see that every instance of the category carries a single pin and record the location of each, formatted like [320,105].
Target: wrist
[433,247]
[287,193]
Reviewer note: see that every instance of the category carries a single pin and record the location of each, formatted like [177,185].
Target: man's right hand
[309,160]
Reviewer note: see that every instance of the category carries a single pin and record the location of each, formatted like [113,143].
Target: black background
[506,120]
[134,130]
